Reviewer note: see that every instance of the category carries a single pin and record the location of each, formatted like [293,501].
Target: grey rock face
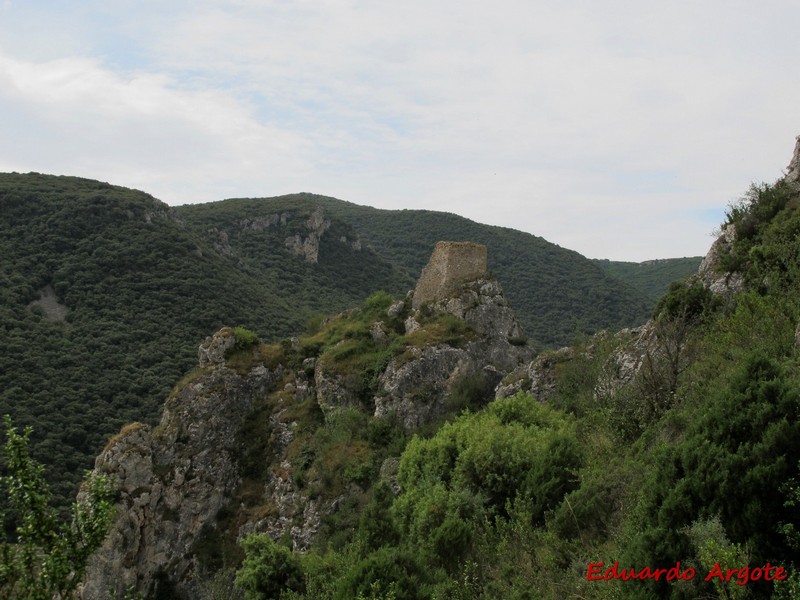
[332,392]
[379,336]
[395,309]
[307,246]
[48,302]
[263,223]
[415,390]
[220,241]
[173,481]
[710,272]
[793,170]
[632,347]
[212,351]
[540,376]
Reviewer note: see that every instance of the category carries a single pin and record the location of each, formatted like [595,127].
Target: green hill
[671,447]
[106,292]
[651,277]
[556,292]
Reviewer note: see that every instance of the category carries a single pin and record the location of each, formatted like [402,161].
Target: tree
[48,558]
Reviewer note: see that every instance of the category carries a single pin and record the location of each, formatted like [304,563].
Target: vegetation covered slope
[129,291]
[691,464]
[556,292]
[106,293]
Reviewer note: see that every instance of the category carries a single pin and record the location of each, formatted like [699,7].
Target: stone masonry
[451,264]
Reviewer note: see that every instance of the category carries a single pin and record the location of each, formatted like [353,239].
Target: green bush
[378,303]
[517,451]
[269,569]
[733,462]
[469,392]
[388,572]
[244,337]
[691,303]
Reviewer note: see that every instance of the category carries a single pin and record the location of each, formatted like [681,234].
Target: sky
[621,129]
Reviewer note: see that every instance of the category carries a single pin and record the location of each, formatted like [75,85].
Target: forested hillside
[106,292]
[556,292]
[675,442]
[650,277]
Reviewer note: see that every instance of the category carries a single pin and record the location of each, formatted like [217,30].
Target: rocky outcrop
[300,231]
[173,481]
[711,274]
[48,302]
[215,347]
[220,241]
[622,355]
[157,211]
[226,458]
[482,305]
[332,392]
[631,347]
[414,391]
[418,386]
[793,170]
[263,223]
[307,246]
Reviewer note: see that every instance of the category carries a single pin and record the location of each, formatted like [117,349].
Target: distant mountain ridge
[649,276]
[105,292]
[556,292]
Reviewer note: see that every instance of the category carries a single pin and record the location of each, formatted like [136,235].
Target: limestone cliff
[238,448]
[307,245]
[793,170]
[174,480]
[496,347]
[298,231]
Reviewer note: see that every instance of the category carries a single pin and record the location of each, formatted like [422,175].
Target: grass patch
[442,329]
[126,429]
[191,376]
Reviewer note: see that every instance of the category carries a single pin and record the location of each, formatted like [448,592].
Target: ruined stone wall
[451,264]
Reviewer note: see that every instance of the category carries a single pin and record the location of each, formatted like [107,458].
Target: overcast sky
[617,128]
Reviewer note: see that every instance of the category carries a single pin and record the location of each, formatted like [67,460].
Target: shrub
[378,303]
[244,337]
[386,573]
[268,569]
[691,303]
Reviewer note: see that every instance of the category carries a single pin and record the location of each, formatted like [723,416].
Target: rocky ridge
[226,460]
[174,479]
[299,232]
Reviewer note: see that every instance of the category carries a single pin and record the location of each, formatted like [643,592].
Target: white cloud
[605,127]
[74,117]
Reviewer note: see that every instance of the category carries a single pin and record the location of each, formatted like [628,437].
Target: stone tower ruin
[450,265]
